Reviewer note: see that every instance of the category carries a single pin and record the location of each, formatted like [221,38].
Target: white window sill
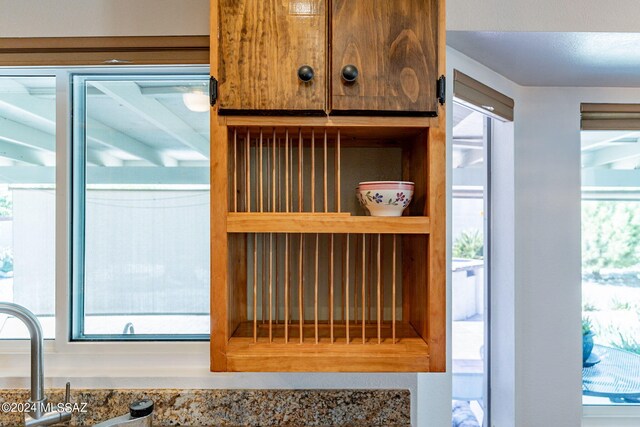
[163,365]
[610,415]
[107,359]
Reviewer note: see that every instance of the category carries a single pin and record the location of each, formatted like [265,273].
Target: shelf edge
[325,223]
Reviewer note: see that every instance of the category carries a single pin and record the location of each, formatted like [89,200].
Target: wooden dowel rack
[280,187]
[319,263]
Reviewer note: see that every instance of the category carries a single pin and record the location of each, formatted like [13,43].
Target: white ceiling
[555,58]
[610,159]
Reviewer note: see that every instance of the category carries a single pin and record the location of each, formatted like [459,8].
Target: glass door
[471,140]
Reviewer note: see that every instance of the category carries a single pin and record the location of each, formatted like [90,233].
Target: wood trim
[325,223]
[139,50]
[407,355]
[220,295]
[609,108]
[331,121]
[610,116]
[482,97]
[436,307]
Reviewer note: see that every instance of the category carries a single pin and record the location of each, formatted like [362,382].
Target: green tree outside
[610,235]
[469,244]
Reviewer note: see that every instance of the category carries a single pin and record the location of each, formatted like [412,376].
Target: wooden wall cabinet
[365,56]
[302,279]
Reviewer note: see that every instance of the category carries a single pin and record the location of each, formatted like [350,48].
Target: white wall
[66,18]
[543,15]
[547,267]
[52,18]
[548,253]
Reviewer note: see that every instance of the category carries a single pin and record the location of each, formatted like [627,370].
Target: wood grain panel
[436,206]
[408,355]
[131,50]
[237,280]
[221,320]
[262,45]
[385,125]
[219,297]
[415,169]
[436,283]
[325,223]
[415,267]
[393,45]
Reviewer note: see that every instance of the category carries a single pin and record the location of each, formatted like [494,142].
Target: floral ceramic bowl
[385,198]
[361,202]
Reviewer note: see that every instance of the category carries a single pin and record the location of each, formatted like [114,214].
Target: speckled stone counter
[236,407]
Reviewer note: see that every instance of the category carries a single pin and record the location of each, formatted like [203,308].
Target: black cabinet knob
[349,73]
[305,73]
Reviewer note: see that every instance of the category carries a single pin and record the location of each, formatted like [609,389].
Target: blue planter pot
[587,345]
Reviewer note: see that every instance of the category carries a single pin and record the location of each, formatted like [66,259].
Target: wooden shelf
[408,354]
[325,223]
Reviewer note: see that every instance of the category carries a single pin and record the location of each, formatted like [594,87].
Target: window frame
[606,116]
[77,82]
[488,138]
[68,356]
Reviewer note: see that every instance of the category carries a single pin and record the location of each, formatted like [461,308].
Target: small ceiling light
[197,100]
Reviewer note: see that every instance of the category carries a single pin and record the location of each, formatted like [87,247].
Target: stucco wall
[67,18]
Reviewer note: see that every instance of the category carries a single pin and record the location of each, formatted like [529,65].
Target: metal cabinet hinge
[442,89]
[213,90]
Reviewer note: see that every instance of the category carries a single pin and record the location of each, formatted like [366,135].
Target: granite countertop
[234,407]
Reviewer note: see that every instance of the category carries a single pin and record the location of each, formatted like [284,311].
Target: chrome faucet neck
[37,344]
[40,415]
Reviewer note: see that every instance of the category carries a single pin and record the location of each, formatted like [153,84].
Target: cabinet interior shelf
[408,353]
[242,222]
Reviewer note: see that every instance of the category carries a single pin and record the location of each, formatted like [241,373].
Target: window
[141,200]
[610,266]
[129,214]
[27,199]
[479,114]
[471,134]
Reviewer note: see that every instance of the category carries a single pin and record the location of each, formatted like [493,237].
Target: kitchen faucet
[40,413]
[140,415]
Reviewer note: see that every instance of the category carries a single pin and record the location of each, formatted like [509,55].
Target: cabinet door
[262,45]
[392,43]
